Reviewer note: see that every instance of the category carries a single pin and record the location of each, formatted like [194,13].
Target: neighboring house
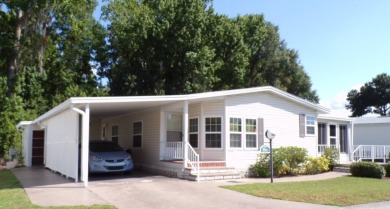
[371,139]
[172,134]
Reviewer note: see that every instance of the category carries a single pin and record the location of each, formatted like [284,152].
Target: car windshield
[104,147]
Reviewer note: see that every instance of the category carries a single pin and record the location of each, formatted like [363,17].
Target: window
[137,134]
[243,132]
[193,131]
[213,132]
[310,125]
[235,132]
[250,133]
[174,127]
[114,133]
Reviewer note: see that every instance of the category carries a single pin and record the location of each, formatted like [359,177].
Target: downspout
[84,142]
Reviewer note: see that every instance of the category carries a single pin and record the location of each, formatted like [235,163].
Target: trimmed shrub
[332,154]
[316,165]
[366,169]
[289,160]
[262,167]
[387,169]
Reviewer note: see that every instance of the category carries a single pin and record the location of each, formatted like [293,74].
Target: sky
[341,44]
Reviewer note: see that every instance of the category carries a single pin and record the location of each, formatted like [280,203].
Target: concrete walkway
[141,190]
[45,188]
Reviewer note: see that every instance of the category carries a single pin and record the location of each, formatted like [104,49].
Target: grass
[12,195]
[341,191]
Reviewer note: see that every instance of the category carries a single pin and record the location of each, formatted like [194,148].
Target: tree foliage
[51,50]
[373,97]
[48,53]
[178,47]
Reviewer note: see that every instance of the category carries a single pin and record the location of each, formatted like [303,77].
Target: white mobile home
[371,139]
[171,134]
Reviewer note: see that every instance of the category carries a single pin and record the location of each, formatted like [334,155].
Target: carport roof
[99,106]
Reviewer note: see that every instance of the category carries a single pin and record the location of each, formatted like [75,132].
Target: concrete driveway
[144,190]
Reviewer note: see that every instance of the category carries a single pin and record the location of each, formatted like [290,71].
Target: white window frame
[336,137]
[236,132]
[193,133]
[310,125]
[221,132]
[138,134]
[244,133]
[251,133]
[112,135]
[178,130]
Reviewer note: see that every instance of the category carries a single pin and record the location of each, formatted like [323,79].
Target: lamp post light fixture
[271,136]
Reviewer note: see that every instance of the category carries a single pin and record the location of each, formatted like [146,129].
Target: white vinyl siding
[279,116]
[371,134]
[150,152]
[62,143]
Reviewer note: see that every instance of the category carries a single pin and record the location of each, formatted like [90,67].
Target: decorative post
[270,136]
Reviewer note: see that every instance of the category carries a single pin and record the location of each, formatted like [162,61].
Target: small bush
[332,154]
[387,169]
[316,165]
[262,167]
[366,169]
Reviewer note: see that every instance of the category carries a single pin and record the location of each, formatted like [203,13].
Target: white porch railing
[193,160]
[370,152]
[322,147]
[175,151]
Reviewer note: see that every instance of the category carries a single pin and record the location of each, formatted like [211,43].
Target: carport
[67,129]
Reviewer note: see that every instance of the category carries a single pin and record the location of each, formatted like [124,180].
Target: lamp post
[270,136]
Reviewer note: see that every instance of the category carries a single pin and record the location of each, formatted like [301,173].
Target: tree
[373,97]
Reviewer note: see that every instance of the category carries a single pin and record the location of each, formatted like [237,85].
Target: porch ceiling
[101,110]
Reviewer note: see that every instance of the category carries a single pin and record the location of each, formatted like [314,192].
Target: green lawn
[341,191]
[12,195]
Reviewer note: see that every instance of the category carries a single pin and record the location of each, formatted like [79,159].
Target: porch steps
[211,173]
[342,168]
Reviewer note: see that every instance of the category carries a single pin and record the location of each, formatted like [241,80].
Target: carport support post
[85,146]
[185,133]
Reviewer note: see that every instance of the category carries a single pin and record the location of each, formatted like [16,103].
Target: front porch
[193,168]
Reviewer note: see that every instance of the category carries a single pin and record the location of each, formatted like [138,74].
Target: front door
[38,144]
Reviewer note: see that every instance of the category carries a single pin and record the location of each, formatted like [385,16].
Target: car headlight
[96,158]
[128,157]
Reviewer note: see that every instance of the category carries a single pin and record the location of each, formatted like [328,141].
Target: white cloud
[337,103]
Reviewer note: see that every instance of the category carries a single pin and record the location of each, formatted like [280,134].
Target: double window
[248,133]
[137,134]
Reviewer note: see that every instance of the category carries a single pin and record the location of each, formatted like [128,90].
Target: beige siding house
[181,135]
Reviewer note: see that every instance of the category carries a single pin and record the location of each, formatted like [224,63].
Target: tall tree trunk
[13,62]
